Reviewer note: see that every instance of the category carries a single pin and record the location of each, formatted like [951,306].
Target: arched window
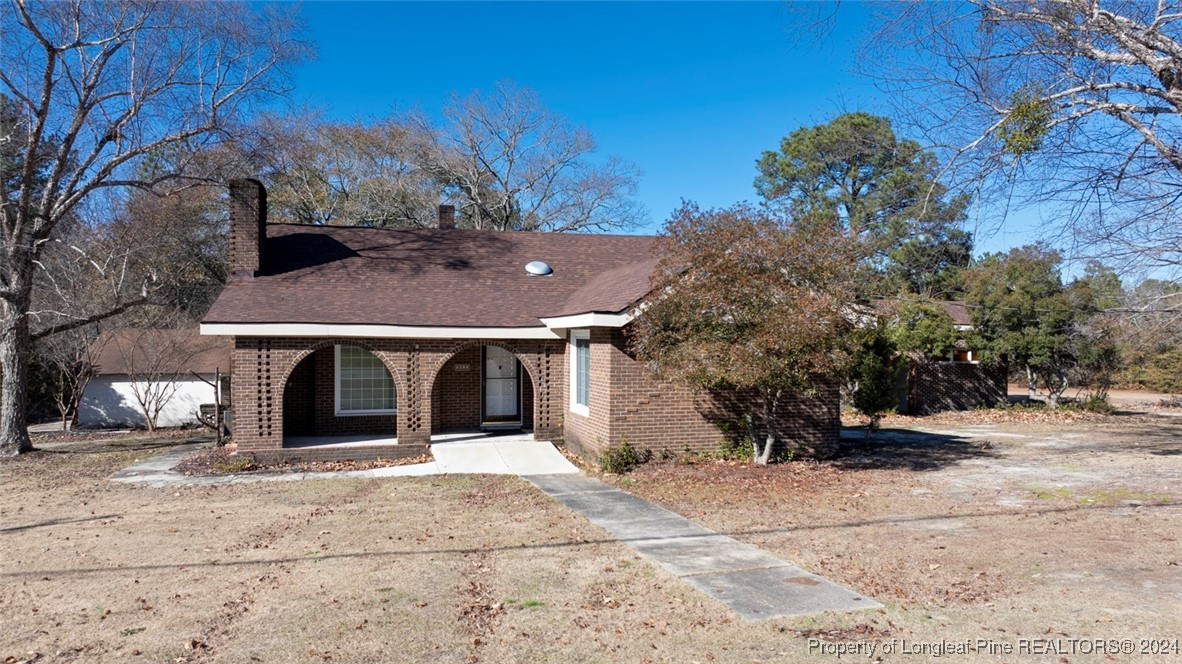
[363,385]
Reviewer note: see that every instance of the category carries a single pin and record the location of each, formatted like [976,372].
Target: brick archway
[525,359]
[534,358]
[306,353]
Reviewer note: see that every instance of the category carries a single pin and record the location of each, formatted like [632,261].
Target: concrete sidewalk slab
[753,583]
[481,457]
[507,456]
[159,467]
[533,457]
[685,556]
[778,592]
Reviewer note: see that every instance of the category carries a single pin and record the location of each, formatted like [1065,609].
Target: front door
[502,387]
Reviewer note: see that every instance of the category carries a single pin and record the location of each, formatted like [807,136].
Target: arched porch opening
[483,387]
[339,393]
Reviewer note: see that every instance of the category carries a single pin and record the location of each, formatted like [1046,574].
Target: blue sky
[690,92]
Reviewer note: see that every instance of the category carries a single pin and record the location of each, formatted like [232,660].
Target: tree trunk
[1031,382]
[753,434]
[913,405]
[1053,393]
[770,401]
[14,365]
[766,454]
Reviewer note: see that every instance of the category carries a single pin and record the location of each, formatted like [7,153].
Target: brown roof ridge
[461,230]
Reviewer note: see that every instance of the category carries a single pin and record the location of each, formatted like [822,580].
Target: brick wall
[628,402]
[262,367]
[589,434]
[299,400]
[456,398]
[937,386]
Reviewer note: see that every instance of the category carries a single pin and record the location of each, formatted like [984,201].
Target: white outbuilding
[164,373]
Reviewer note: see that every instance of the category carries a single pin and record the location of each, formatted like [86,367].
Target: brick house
[359,342]
[957,382]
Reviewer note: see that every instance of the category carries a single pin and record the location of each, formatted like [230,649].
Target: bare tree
[102,87]
[356,173]
[516,165]
[68,359]
[1072,103]
[156,362]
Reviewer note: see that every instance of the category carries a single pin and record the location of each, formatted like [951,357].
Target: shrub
[1094,404]
[237,463]
[734,449]
[621,458]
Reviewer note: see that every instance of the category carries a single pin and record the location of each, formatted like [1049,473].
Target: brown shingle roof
[176,352]
[435,278]
[957,310]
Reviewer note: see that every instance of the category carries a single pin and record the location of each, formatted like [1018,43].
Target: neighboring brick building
[359,342]
[957,382]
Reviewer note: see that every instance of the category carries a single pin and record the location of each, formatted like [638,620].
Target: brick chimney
[248,227]
[447,216]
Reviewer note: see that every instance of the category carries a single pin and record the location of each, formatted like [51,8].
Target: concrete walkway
[509,455]
[753,583]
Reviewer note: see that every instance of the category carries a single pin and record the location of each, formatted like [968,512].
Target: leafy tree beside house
[923,329]
[871,377]
[905,336]
[879,188]
[752,300]
[1021,309]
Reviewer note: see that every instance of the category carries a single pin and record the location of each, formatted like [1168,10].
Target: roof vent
[538,269]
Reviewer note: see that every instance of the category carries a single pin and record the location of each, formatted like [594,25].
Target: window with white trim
[960,356]
[580,371]
[363,384]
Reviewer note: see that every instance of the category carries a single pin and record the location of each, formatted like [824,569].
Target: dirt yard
[444,569]
[1040,532]
[1001,532]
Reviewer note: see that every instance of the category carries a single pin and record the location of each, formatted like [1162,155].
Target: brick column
[258,411]
[414,410]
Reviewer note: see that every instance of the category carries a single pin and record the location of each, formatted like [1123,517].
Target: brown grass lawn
[1070,532]
[450,569]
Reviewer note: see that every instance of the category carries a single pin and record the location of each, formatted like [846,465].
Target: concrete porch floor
[370,440]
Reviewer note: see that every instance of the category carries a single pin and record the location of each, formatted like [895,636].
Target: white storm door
[501,385]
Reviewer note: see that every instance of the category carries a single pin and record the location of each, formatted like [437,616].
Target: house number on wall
[463,367]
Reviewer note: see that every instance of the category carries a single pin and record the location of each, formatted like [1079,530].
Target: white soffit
[374,331]
[587,320]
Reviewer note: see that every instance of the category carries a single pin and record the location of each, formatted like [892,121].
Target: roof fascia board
[374,331]
[587,320]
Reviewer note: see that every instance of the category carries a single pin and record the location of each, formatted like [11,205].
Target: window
[580,372]
[363,385]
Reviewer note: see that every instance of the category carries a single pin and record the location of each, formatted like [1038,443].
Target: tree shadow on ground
[904,449]
[84,447]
